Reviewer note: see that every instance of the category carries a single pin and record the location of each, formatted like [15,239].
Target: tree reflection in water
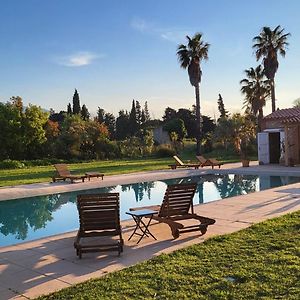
[19,215]
[139,189]
[233,185]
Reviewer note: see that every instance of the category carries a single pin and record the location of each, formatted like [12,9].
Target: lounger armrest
[152,207]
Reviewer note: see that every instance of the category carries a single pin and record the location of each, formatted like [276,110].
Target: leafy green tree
[189,119]
[190,57]
[34,122]
[11,137]
[169,114]
[267,45]
[256,89]
[110,122]
[122,125]
[177,126]
[85,115]
[221,107]
[76,103]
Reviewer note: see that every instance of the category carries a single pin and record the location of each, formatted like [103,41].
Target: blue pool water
[32,218]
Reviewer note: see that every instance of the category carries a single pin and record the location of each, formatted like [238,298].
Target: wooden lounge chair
[211,162]
[63,173]
[99,217]
[179,164]
[178,206]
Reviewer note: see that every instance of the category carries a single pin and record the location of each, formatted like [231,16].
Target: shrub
[164,151]
[11,164]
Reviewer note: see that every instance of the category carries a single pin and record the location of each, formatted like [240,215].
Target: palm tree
[267,44]
[256,89]
[190,57]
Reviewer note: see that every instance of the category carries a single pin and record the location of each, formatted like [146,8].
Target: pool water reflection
[37,217]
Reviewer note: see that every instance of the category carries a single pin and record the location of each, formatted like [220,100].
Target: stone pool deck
[31,269]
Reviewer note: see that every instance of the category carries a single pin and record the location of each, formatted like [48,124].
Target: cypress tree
[76,103]
[221,108]
[85,115]
[146,112]
[100,114]
[138,111]
[69,109]
[132,119]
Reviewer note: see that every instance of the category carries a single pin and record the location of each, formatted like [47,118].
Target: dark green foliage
[110,122]
[221,107]
[100,115]
[146,112]
[138,111]
[170,114]
[164,151]
[76,103]
[189,119]
[122,125]
[11,164]
[261,262]
[58,117]
[69,109]
[85,115]
[133,124]
[177,126]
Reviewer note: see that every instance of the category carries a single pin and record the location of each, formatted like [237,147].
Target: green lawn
[261,262]
[110,167]
[11,177]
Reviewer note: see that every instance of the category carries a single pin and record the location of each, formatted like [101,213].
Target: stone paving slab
[28,270]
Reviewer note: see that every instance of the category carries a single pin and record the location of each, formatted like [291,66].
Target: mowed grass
[109,167]
[261,262]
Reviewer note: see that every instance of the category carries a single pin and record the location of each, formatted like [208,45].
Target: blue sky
[116,51]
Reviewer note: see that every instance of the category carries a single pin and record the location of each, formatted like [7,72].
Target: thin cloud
[174,35]
[140,25]
[78,59]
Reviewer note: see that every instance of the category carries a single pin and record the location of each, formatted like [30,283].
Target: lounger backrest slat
[62,170]
[178,200]
[99,211]
[201,159]
[178,160]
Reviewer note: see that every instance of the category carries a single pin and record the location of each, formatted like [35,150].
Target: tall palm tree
[190,57]
[256,89]
[267,44]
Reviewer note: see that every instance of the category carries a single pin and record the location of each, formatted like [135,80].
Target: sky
[115,51]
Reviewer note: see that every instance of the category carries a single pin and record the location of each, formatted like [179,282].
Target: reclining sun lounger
[99,216]
[211,162]
[63,173]
[178,206]
[179,164]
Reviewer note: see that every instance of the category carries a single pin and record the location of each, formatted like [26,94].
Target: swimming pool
[32,218]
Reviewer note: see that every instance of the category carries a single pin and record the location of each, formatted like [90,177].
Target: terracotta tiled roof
[287,115]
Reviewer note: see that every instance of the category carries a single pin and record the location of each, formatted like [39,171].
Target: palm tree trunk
[259,119]
[198,120]
[273,94]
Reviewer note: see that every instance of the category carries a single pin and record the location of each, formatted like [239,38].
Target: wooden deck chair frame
[99,216]
[177,206]
[63,173]
[180,164]
[211,162]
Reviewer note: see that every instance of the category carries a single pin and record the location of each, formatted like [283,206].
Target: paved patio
[43,266]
